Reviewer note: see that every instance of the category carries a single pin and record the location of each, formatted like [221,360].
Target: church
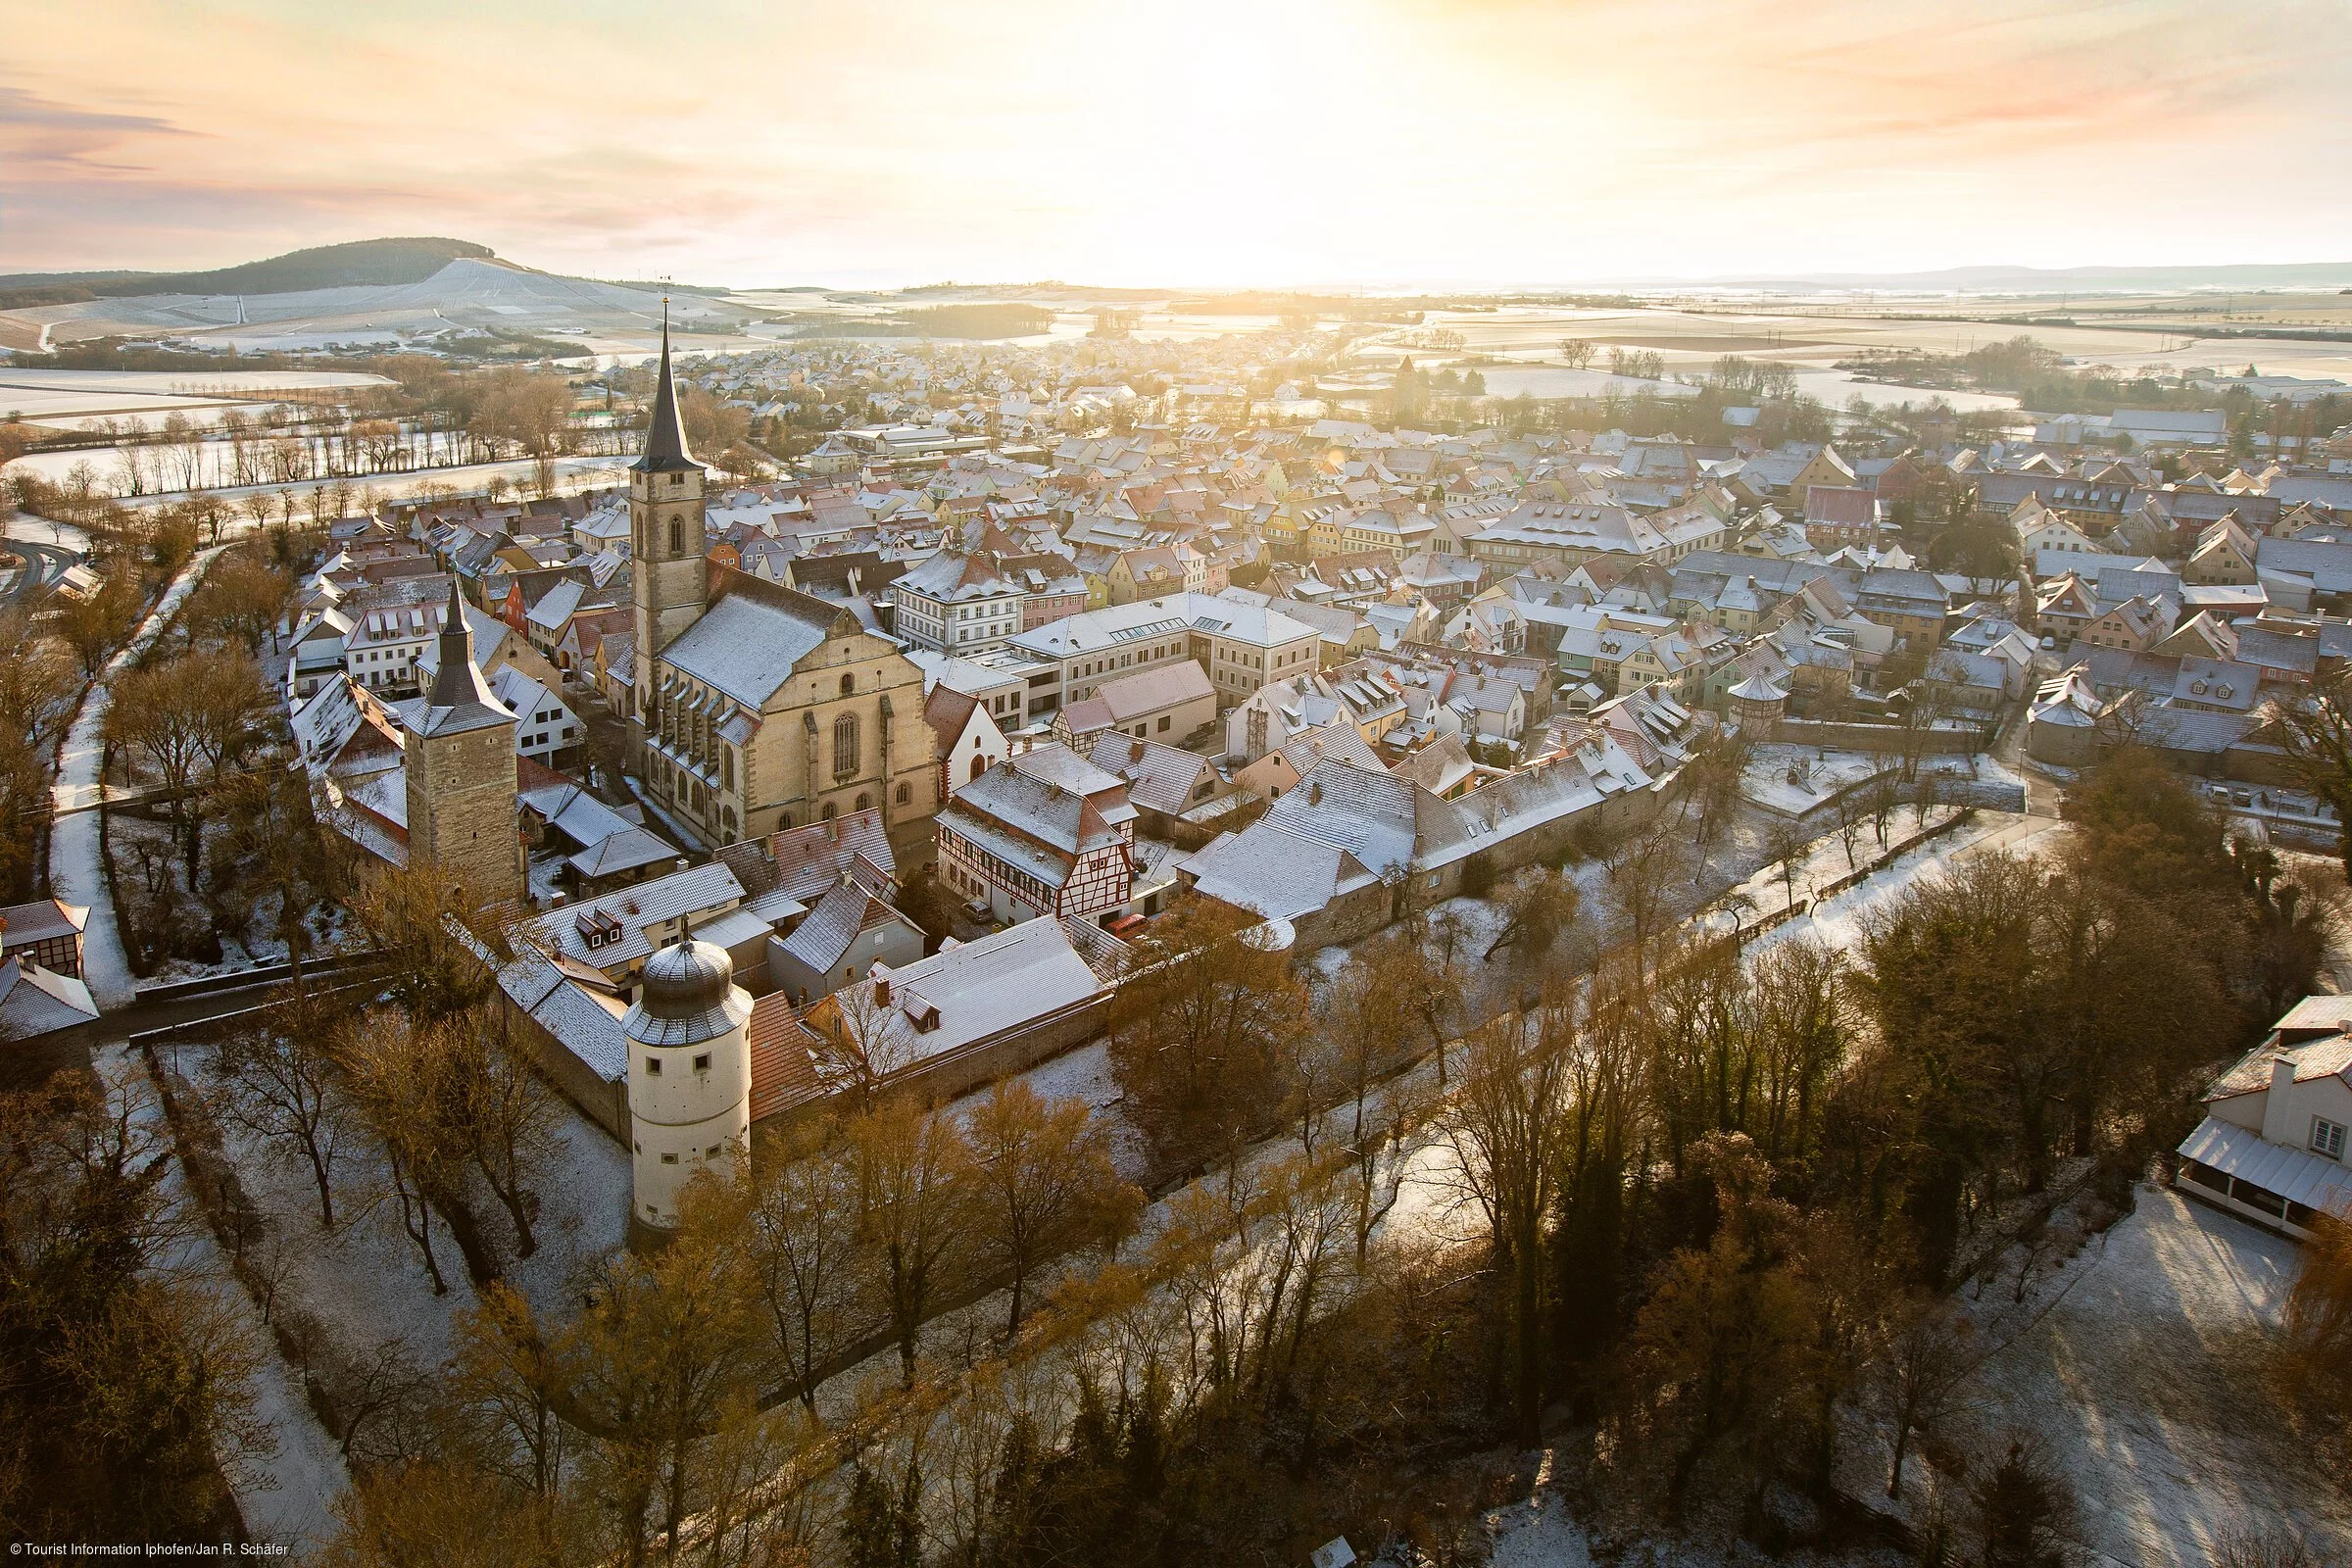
[759,706]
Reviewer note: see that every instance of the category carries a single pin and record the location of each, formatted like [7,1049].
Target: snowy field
[2145,1376]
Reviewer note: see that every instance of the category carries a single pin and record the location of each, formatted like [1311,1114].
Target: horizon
[1926,282]
[1435,145]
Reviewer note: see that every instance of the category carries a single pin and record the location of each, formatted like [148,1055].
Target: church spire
[457,680]
[666,439]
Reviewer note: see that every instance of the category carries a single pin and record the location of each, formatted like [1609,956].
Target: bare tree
[802,1250]
[1039,1182]
[1537,908]
[1933,1354]
[1507,1124]
[914,1209]
[2315,731]
[1785,846]
[282,1086]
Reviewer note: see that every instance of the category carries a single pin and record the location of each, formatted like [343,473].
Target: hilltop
[379,263]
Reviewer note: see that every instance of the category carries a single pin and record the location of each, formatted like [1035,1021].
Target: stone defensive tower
[690,1076]
[459,757]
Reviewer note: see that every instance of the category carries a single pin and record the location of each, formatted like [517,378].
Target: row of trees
[122,1376]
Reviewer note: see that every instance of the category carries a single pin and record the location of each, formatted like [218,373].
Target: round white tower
[690,1075]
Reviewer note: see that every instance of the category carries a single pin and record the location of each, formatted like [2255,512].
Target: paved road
[75,871]
[43,566]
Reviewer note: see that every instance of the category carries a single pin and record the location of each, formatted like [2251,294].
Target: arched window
[906,794]
[677,535]
[845,745]
[831,810]
[864,801]
[849,684]
[979,765]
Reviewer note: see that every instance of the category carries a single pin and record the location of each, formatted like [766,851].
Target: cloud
[52,139]
[1226,140]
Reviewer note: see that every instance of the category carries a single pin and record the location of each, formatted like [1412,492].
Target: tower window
[677,536]
[652,1066]
[677,479]
[669,1159]
[906,794]
[702,1063]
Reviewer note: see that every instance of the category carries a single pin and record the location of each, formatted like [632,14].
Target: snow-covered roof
[747,645]
[974,990]
[2293,1174]
[34,1000]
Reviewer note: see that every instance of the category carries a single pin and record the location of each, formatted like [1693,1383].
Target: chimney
[2275,1125]
[881,974]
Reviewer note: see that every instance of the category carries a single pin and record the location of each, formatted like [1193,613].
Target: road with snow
[76,870]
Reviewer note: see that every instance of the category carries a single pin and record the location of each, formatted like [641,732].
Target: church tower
[458,745]
[671,582]
[689,1077]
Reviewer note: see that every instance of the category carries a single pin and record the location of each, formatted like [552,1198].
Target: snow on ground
[1083,1074]
[1828,771]
[288,1494]
[1836,921]
[1538,1533]
[1767,782]
[365,1284]
[75,873]
[22,525]
[2145,1376]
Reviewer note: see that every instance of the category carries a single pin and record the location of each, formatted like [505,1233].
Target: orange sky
[1280,141]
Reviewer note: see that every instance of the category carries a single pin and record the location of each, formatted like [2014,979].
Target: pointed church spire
[457,679]
[666,439]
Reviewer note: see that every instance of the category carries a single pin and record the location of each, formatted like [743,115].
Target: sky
[1371,142]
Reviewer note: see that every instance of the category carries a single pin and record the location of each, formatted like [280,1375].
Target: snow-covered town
[1697,917]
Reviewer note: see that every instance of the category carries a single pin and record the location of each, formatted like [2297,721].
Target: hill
[378,262]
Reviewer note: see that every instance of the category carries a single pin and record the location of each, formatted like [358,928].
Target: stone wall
[603,1102]
[1848,737]
[940,1079]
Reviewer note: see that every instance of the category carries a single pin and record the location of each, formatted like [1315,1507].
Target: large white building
[1242,647]
[958,603]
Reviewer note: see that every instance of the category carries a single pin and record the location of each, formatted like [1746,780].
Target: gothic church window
[844,746]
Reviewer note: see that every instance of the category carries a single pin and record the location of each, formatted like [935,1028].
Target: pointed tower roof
[666,439]
[458,698]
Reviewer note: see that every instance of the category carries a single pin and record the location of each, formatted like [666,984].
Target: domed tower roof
[689,994]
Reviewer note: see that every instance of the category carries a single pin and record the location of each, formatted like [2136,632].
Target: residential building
[2272,1146]
[1240,647]
[1049,834]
